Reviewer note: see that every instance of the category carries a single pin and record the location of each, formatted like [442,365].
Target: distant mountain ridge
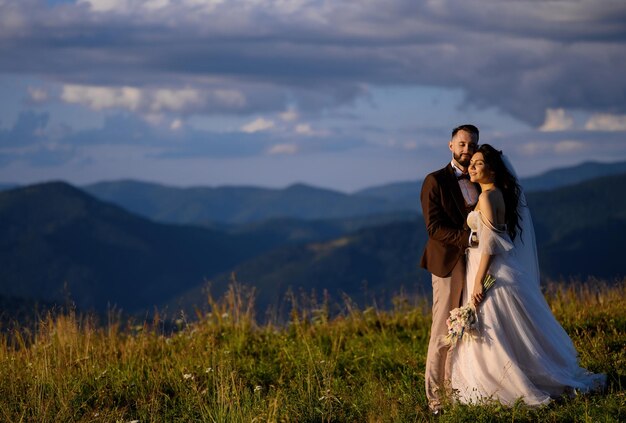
[555,178]
[235,204]
[240,204]
[561,177]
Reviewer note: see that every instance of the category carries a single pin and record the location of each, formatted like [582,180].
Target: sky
[342,94]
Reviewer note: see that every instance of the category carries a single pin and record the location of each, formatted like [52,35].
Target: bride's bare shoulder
[491,202]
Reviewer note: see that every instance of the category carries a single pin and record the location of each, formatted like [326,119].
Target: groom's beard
[463,160]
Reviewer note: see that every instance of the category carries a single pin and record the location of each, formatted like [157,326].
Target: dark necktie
[463,176]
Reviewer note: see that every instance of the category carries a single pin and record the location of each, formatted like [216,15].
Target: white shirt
[468,189]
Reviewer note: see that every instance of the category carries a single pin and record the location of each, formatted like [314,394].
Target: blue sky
[340,94]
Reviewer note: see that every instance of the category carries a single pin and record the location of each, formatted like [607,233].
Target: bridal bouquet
[463,319]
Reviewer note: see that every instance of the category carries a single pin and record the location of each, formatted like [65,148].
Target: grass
[364,365]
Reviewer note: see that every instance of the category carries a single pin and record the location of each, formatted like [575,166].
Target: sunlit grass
[361,365]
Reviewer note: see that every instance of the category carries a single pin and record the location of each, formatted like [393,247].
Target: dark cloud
[520,56]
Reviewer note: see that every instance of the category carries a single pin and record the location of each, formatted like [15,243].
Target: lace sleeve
[491,240]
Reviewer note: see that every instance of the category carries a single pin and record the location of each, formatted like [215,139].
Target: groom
[447,197]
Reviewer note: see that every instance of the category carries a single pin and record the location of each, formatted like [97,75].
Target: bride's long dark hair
[507,183]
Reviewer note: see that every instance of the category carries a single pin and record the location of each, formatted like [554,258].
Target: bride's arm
[490,202]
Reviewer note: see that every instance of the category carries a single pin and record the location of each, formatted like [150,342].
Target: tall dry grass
[361,365]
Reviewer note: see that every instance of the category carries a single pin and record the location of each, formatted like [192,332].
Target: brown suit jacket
[445,215]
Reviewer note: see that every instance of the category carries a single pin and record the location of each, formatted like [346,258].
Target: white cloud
[99,98]
[304,129]
[206,4]
[556,120]
[175,100]
[176,124]
[289,115]
[606,122]
[283,149]
[107,5]
[38,95]
[156,4]
[129,6]
[152,101]
[568,146]
[257,125]
[532,148]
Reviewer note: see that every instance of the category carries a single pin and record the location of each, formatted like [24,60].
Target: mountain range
[578,229]
[59,242]
[237,205]
[405,193]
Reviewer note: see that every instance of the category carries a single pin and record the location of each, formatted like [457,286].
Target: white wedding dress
[521,351]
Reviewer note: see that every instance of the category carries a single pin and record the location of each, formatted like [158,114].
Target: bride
[521,351]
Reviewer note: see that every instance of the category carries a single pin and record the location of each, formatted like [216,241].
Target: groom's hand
[473,240]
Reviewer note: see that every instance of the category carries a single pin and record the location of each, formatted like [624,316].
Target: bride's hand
[478,294]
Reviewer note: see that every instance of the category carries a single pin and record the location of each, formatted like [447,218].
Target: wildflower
[208,370]
[258,388]
[188,376]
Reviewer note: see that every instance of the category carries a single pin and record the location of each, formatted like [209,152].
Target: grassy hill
[373,261]
[365,365]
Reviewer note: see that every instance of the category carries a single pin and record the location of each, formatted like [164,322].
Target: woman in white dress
[520,352]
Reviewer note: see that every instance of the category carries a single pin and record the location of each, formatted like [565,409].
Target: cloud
[522,57]
[257,125]
[174,100]
[568,147]
[606,122]
[99,98]
[556,120]
[289,115]
[106,5]
[304,129]
[176,124]
[283,149]
[151,102]
[133,6]
[37,95]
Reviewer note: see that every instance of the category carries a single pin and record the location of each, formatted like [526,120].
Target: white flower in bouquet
[462,321]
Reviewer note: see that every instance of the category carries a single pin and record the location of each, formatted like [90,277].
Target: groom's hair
[467,128]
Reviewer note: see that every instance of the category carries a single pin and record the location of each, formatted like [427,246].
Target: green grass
[366,365]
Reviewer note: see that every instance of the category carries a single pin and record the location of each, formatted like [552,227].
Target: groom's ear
[450,145]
